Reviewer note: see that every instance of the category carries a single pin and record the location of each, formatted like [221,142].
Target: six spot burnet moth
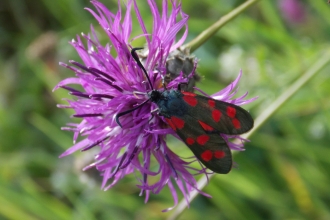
[199,121]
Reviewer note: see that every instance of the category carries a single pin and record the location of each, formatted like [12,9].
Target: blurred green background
[284,172]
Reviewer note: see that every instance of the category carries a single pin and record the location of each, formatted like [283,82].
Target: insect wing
[210,148]
[226,118]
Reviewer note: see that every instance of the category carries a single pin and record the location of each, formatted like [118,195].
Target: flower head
[293,11]
[112,82]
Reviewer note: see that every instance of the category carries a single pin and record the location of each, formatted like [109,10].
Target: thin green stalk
[264,116]
[209,32]
[287,94]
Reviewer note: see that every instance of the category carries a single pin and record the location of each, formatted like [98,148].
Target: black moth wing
[210,148]
[233,119]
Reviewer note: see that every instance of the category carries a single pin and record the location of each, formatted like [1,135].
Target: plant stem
[209,32]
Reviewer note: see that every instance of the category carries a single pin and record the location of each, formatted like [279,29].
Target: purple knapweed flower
[293,11]
[111,82]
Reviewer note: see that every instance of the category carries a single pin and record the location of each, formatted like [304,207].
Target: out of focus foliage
[283,174]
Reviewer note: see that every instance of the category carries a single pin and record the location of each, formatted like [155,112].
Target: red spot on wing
[205,126]
[170,123]
[202,139]
[216,115]
[190,141]
[231,112]
[219,154]
[236,123]
[189,94]
[207,155]
[211,103]
[191,100]
[178,122]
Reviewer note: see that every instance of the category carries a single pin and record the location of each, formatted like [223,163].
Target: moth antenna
[128,111]
[136,58]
